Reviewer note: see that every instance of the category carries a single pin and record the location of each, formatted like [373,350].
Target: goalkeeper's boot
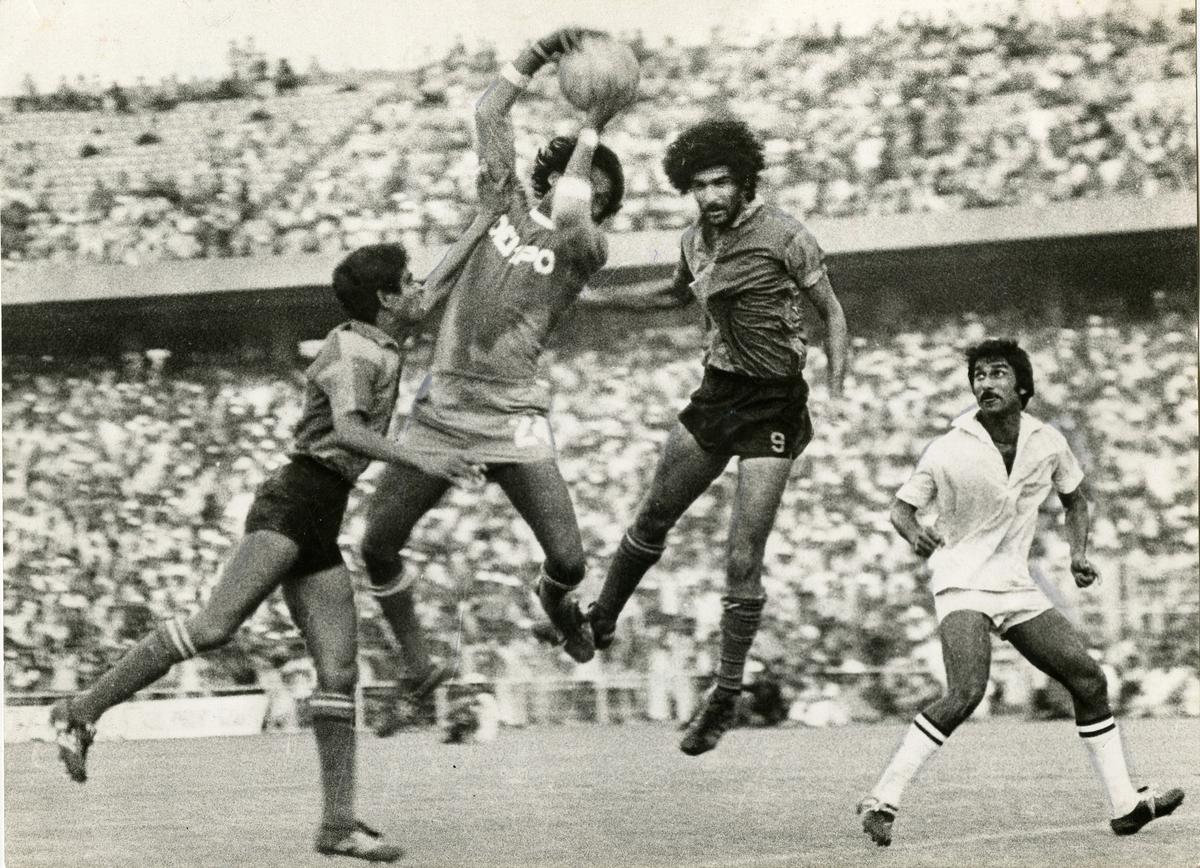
[564,613]
[1149,808]
[604,630]
[73,738]
[361,842]
[717,716]
[877,820]
[403,706]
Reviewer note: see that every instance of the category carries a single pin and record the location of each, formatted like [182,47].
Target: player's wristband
[588,136]
[514,76]
[573,187]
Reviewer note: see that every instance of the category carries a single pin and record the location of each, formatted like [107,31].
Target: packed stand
[916,117]
[126,486]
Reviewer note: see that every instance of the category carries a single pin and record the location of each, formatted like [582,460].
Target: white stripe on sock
[177,633]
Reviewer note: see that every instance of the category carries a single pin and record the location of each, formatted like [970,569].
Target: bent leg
[760,486]
[967,654]
[540,496]
[256,568]
[1054,646]
[402,496]
[322,605]
[684,472]
[967,650]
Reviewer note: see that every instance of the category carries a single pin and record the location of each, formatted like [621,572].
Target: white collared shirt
[987,516]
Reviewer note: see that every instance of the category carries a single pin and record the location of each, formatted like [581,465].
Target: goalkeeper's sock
[399,610]
[142,665]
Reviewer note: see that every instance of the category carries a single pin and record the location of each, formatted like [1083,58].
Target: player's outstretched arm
[675,293]
[423,297]
[836,334]
[1078,520]
[924,541]
[352,433]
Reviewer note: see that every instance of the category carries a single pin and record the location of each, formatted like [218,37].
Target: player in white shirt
[985,480]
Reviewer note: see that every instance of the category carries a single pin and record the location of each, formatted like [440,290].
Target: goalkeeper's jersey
[517,282]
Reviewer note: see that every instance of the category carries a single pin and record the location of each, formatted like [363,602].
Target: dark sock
[739,624]
[551,591]
[630,563]
[333,726]
[399,610]
[148,660]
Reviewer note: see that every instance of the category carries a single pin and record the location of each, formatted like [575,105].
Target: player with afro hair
[754,268]
[714,142]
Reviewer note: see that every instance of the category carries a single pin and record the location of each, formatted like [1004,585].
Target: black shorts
[732,414]
[305,501]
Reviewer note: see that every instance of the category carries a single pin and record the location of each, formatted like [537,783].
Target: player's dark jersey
[750,281]
[511,292]
[357,370]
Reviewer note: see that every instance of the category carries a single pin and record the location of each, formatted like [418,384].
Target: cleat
[604,629]
[568,620]
[361,842]
[877,820]
[73,737]
[1149,808]
[716,716]
[403,707]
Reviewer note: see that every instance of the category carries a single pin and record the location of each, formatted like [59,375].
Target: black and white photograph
[678,434]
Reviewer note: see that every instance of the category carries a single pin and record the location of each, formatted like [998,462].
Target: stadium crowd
[126,484]
[913,117]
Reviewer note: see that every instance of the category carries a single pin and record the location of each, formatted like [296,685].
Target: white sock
[918,745]
[1103,741]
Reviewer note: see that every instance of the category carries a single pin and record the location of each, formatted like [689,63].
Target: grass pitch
[1003,793]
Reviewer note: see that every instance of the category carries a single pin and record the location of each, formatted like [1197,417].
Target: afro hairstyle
[715,142]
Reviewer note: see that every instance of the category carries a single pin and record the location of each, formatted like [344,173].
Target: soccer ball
[601,69]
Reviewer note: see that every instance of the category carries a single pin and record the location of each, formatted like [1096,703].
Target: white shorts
[1005,609]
